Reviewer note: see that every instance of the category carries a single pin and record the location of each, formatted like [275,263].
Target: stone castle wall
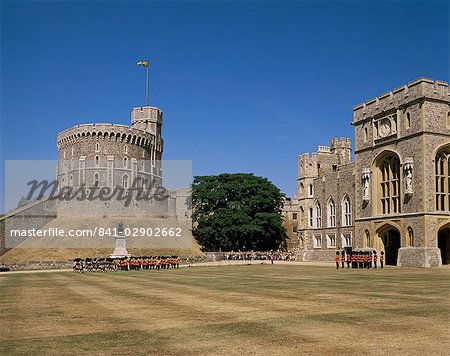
[108,155]
[412,123]
[31,216]
[324,176]
[291,216]
[110,151]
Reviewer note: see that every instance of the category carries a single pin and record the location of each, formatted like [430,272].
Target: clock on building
[384,128]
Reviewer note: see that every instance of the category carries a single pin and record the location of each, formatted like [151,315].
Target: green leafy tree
[237,212]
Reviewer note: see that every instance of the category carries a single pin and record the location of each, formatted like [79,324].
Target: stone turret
[111,155]
[342,147]
[147,118]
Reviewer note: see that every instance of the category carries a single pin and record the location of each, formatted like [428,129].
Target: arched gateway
[444,244]
[390,242]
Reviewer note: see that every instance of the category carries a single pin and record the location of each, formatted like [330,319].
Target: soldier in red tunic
[349,259]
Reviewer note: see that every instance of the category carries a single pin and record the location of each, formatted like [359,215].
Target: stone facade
[324,202]
[111,155]
[398,185]
[34,215]
[290,214]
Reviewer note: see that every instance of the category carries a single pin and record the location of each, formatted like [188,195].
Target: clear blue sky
[244,86]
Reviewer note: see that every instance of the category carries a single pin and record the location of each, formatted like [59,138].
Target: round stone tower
[112,155]
[118,157]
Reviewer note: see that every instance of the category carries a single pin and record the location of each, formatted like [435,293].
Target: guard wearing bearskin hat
[349,258]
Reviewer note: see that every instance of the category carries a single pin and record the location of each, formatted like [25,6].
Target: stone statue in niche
[365,181]
[408,173]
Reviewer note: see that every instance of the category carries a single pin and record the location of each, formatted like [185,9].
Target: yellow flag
[143,63]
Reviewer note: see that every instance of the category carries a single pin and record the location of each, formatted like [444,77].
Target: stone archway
[444,244]
[391,242]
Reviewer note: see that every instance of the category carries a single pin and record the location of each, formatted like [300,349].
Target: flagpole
[147,89]
[147,80]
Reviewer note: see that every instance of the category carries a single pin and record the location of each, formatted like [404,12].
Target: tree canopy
[237,212]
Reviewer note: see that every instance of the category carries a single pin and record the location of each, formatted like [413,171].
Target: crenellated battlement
[342,147]
[417,89]
[120,132]
[324,149]
[340,142]
[338,153]
[337,144]
[146,113]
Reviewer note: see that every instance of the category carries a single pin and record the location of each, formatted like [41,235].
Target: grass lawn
[262,309]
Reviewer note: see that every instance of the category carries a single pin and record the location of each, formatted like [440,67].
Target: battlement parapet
[324,149]
[287,204]
[343,142]
[335,143]
[146,113]
[308,157]
[417,89]
[290,204]
[117,131]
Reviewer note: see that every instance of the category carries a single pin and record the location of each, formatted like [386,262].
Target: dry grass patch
[280,309]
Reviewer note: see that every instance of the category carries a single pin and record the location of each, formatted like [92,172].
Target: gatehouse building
[394,196]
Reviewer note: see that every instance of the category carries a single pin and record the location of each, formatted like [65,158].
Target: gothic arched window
[125,181]
[389,184]
[346,211]
[410,237]
[317,215]
[96,179]
[442,169]
[317,241]
[367,241]
[331,213]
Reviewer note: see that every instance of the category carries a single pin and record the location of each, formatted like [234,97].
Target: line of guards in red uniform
[125,264]
[157,262]
[359,259]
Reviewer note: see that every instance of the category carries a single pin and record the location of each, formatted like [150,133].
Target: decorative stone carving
[408,174]
[385,127]
[365,181]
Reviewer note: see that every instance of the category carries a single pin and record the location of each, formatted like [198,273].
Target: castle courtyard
[263,309]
